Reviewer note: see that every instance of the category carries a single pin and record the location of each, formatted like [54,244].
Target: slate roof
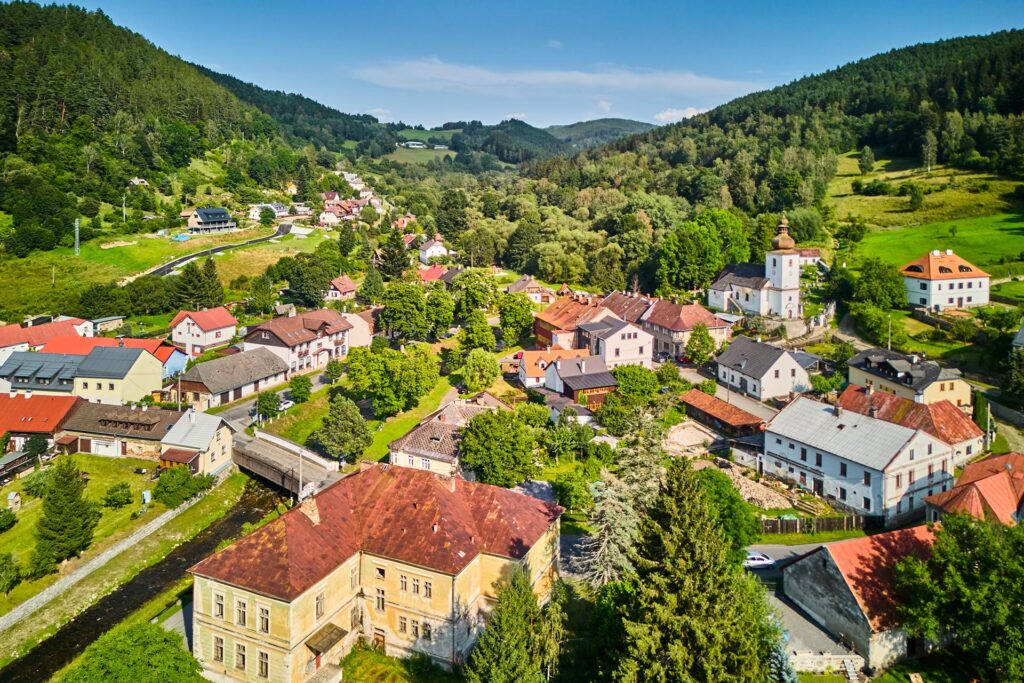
[35,414]
[449,276]
[210,319]
[1018,339]
[748,275]
[431,243]
[194,430]
[992,488]
[603,329]
[589,372]
[941,419]
[527,283]
[868,566]
[47,371]
[941,265]
[750,357]
[399,513]
[109,362]
[719,409]
[301,327]
[210,214]
[910,370]
[98,418]
[235,371]
[858,438]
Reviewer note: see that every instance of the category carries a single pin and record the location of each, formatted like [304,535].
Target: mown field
[424,135]
[418,156]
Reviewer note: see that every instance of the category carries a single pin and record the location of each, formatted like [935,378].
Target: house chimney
[583,365]
[558,365]
[144,407]
[192,416]
[311,510]
[120,342]
[433,527]
[28,393]
[838,410]
[873,411]
[949,252]
[869,390]
[12,393]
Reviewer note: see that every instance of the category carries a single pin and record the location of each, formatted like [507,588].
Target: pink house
[199,331]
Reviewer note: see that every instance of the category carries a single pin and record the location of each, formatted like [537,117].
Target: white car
[285,405]
[756,560]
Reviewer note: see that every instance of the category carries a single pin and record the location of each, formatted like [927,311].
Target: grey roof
[108,318]
[209,214]
[749,275]
[750,357]
[194,430]
[910,370]
[603,329]
[804,359]
[235,371]
[858,438]
[109,362]
[150,424]
[45,371]
[430,243]
[437,435]
[1018,340]
[526,283]
[588,372]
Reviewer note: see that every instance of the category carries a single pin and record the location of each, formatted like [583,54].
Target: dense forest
[590,134]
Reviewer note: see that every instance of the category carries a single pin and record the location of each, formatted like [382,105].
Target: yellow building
[118,375]
[405,559]
[909,376]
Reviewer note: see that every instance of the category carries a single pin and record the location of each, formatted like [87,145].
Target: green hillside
[589,134]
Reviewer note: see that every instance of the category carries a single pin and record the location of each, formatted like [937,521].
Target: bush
[7,519]
[178,484]
[37,483]
[708,386]
[118,495]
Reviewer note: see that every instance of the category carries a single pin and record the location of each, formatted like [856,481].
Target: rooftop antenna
[77,241]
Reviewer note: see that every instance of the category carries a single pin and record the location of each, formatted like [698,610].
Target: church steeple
[782,240]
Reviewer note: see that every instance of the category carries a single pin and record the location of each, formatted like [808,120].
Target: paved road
[241,414]
[732,397]
[804,635]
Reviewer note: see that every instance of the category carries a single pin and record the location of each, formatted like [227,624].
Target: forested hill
[305,120]
[594,133]
[957,101]
[512,141]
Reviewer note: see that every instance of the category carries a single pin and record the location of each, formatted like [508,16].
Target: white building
[868,465]
[772,289]
[616,342]
[432,249]
[304,340]
[941,279]
[199,331]
[761,370]
[279,209]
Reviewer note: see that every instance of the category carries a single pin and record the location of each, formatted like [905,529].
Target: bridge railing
[292,447]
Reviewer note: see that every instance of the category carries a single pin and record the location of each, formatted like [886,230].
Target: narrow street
[241,414]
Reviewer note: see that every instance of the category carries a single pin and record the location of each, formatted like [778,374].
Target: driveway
[780,553]
[240,414]
[746,403]
[804,634]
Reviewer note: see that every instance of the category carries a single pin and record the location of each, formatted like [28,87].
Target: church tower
[782,268]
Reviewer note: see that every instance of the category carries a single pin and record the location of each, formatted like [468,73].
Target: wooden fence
[808,525]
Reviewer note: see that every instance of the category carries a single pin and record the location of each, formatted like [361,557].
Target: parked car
[661,356]
[756,560]
[682,358]
[285,405]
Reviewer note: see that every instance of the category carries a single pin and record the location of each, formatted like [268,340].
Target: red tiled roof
[400,513]
[992,488]
[81,346]
[868,566]
[37,335]
[34,415]
[941,265]
[719,409]
[344,284]
[181,456]
[568,312]
[676,317]
[809,253]
[432,273]
[533,360]
[941,419]
[210,319]
[409,239]
[302,327]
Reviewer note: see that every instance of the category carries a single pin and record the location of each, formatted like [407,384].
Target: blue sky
[544,62]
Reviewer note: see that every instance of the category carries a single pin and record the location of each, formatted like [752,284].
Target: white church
[772,289]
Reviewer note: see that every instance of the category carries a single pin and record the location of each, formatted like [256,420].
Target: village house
[329,217]
[433,444]
[537,293]
[231,378]
[848,588]
[432,249]
[431,274]
[405,559]
[199,331]
[117,431]
[761,370]
[533,364]
[720,416]
[117,375]
[583,379]
[210,219]
[941,419]
[809,257]
[941,280]
[108,323]
[303,341]
[361,333]
[403,222]
[256,210]
[35,374]
[772,289]
[991,489]
[330,198]
[34,337]
[616,342]
[172,359]
[670,323]
[342,288]
[556,325]
[22,417]
[199,441]
[857,462]
[909,376]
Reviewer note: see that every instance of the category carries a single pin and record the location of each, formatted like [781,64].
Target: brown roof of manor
[637,308]
[301,327]
[568,312]
[151,424]
[403,514]
[941,419]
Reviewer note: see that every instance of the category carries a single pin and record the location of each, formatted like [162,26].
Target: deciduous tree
[700,347]
[440,311]
[344,433]
[480,370]
[515,311]
[300,388]
[116,656]
[405,311]
[866,160]
[498,447]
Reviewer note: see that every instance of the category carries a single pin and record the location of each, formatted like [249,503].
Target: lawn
[969,194]
[1013,289]
[113,525]
[303,419]
[424,135]
[969,357]
[367,666]
[821,678]
[940,667]
[802,539]
[254,260]
[418,156]
[400,424]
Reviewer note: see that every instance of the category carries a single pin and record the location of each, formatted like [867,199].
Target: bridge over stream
[283,463]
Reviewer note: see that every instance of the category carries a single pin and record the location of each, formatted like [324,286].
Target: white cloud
[381,113]
[604,105]
[434,75]
[555,44]
[672,115]
[519,115]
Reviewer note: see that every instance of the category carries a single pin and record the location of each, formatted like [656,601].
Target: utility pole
[77,241]
[300,477]
[124,214]
[889,345]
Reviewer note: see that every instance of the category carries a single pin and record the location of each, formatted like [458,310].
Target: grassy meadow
[424,135]
[418,156]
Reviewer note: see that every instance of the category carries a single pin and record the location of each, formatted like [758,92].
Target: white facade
[195,340]
[627,346]
[786,376]
[432,250]
[305,355]
[328,218]
[938,295]
[782,268]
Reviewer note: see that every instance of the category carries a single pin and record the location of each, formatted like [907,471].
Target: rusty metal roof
[941,419]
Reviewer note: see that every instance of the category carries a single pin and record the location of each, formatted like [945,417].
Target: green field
[424,135]
[114,524]
[1013,289]
[366,666]
[418,156]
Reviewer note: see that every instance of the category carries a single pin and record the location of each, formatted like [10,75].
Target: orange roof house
[941,265]
[848,587]
[207,320]
[565,315]
[533,364]
[992,488]
[34,414]
[719,415]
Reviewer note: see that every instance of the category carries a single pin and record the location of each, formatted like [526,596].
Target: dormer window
[945,269]
[965,269]
[915,269]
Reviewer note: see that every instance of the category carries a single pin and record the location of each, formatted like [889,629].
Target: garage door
[103,447]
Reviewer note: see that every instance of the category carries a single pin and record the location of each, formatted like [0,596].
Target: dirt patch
[755,493]
[117,243]
[688,439]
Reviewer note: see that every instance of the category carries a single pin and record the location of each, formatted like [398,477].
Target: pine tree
[394,256]
[605,552]
[506,652]
[346,241]
[691,616]
[640,460]
[214,289]
[371,291]
[66,526]
[191,289]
